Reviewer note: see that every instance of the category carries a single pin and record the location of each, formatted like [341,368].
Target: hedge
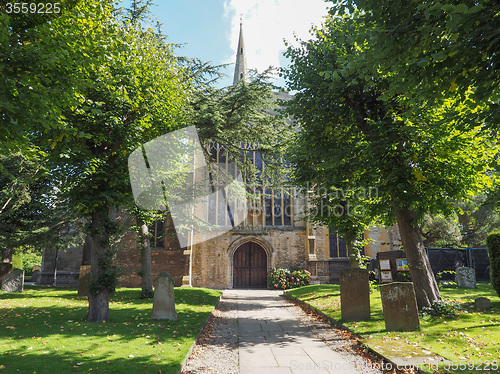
[493,241]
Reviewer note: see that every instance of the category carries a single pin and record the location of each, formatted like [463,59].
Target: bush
[25,258]
[284,278]
[441,309]
[493,242]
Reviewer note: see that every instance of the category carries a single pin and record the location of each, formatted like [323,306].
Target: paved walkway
[272,339]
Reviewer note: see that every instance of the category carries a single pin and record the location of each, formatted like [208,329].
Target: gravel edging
[202,329]
[216,349]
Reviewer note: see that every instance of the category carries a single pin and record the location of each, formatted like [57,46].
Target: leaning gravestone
[164,299]
[354,295]
[465,277]
[84,281]
[400,306]
[5,269]
[14,281]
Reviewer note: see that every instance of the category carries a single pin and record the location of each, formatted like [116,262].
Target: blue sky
[208,29]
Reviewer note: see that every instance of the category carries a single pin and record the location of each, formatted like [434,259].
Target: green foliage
[45,59]
[27,215]
[241,117]
[441,308]
[439,276]
[286,278]
[468,226]
[444,49]
[416,157]
[407,160]
[107,279]
[31,258]
[17,260]
[493,241]
[443,283]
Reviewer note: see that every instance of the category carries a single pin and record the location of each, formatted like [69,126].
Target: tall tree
[27,215]
[44,57]
[354,137]
[138,92]
[435,50]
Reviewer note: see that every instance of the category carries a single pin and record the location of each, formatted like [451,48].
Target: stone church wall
[213,259]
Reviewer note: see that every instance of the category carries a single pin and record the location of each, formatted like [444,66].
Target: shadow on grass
[129,317]
[69,362]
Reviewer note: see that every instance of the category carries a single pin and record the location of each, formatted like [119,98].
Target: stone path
[273,340]
[274,336]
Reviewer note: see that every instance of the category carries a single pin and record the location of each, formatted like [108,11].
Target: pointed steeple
[240,70]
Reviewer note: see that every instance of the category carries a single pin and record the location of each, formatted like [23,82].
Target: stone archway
[249,263]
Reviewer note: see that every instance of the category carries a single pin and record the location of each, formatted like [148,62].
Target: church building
[272,234]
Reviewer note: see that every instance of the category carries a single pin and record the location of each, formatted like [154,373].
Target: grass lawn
[43,330]
[472,336]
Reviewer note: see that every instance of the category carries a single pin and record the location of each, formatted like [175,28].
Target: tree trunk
[426,288]
[101,285]
[146,270]
[7,254]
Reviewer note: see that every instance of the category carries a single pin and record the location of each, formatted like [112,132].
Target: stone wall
[384,239]
[173,261]
[213,259]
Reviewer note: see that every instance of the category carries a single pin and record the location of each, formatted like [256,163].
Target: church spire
[240,70]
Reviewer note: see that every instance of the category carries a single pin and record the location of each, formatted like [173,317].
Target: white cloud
[266,23]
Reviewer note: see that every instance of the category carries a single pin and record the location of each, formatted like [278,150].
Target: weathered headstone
[164,299]
[400,306]
[34,275]
[13,282]
[354,295]
[84,281]
[465,277]
[5,268]
[482,303]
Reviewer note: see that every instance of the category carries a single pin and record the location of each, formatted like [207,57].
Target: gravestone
[13,282]
[354,295]
[465,277]
[164,299]
[34,275]
[5,268]
[84,281]
[482,303]
[400,306]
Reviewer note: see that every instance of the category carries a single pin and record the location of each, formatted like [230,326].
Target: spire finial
[241,18]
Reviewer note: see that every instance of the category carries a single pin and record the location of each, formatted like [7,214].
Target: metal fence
[442,259]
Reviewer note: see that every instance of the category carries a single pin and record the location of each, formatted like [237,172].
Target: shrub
[493,242]
[17,261]
[25,258]
[441,308]
[284,278]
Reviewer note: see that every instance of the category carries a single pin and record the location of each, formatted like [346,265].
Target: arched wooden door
[250,266]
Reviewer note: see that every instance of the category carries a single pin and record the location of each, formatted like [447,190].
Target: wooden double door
[250,266]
